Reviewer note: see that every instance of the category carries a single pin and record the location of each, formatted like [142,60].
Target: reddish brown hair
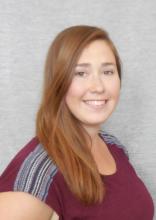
[57,129]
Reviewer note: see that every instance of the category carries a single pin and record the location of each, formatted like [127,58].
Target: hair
[61,134]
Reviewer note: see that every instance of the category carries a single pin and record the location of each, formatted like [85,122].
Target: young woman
[72,169]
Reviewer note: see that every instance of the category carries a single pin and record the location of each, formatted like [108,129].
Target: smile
[96,103]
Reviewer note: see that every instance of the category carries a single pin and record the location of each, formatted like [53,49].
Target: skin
[96,80]
[23,206]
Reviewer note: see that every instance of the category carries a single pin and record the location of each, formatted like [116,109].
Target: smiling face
[94,91]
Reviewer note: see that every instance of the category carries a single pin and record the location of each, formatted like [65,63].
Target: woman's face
[95,87]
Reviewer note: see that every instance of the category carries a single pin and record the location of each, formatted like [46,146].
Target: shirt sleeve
[33,172]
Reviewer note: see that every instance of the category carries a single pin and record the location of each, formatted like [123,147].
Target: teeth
[96,102]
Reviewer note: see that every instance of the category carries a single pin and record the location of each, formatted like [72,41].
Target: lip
[95,100]
[96,103]
[98,100]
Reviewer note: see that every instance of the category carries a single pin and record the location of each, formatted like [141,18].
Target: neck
[93,132]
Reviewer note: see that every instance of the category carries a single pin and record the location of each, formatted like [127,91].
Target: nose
[96,85]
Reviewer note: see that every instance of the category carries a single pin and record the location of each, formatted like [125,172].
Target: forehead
[97,50]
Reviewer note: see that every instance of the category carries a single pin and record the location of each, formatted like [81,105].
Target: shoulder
[113,140]
[31,171]
[36,173]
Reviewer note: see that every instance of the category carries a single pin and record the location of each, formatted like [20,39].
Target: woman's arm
[23,206]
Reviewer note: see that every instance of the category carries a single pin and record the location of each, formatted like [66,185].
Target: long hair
[57,129]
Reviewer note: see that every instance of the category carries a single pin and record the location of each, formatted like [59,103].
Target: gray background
[26,31]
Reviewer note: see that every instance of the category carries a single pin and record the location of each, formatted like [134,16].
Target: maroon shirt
[127,198]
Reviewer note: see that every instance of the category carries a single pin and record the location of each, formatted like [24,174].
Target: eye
[80,73]
[108,72]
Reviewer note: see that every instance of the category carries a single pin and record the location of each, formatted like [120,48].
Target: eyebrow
[88,64]
[108,64]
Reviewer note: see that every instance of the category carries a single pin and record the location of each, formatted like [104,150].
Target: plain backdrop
[26,30]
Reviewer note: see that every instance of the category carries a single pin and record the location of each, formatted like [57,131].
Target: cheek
[74,97]
[75,91]
[115,88]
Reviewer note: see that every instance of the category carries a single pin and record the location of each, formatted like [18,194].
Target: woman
[72,168]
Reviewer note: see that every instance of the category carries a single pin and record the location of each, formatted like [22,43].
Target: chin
[96,123]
